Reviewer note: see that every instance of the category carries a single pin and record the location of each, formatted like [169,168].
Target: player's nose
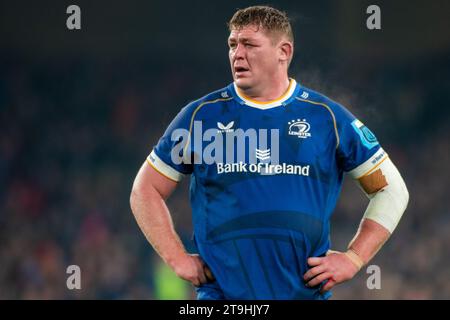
[239,52]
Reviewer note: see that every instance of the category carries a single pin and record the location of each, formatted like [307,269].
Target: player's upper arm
[384,186]
[149,180]
[373,182]
[360,154]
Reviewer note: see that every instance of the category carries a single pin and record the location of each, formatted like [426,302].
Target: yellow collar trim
[267,104]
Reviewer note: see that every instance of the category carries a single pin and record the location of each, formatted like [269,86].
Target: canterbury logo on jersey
[223,128]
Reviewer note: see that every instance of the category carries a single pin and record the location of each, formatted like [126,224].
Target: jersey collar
[283,100]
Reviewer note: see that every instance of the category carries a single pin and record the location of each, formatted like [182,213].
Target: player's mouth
[240,71]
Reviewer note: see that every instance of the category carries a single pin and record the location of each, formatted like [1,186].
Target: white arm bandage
[386,206]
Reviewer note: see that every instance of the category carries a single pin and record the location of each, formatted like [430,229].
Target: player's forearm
[369,239]
[154,219]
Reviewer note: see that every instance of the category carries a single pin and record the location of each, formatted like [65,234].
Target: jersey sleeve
[359,152]
[168,157]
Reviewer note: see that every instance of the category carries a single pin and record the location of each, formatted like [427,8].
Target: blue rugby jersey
[265,179]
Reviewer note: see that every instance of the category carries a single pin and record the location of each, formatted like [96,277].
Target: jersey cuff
[163,168]
[369,165]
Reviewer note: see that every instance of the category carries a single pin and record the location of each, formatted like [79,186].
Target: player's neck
[268,92]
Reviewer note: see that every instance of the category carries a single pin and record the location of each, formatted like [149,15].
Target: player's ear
[286,50]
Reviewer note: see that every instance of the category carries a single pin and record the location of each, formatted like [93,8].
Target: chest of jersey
[232,138]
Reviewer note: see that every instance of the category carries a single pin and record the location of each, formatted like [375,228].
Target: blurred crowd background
[81,110]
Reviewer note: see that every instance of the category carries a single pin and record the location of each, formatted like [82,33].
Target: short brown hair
[270,19]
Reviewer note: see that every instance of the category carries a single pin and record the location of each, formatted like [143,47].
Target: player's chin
[243,82]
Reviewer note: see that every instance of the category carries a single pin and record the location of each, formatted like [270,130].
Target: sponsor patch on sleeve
[367,137]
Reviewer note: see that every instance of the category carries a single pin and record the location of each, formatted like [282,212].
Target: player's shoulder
[311,96]
[217,96]
[193,108]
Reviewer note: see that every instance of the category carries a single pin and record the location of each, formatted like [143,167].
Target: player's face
[253,57]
